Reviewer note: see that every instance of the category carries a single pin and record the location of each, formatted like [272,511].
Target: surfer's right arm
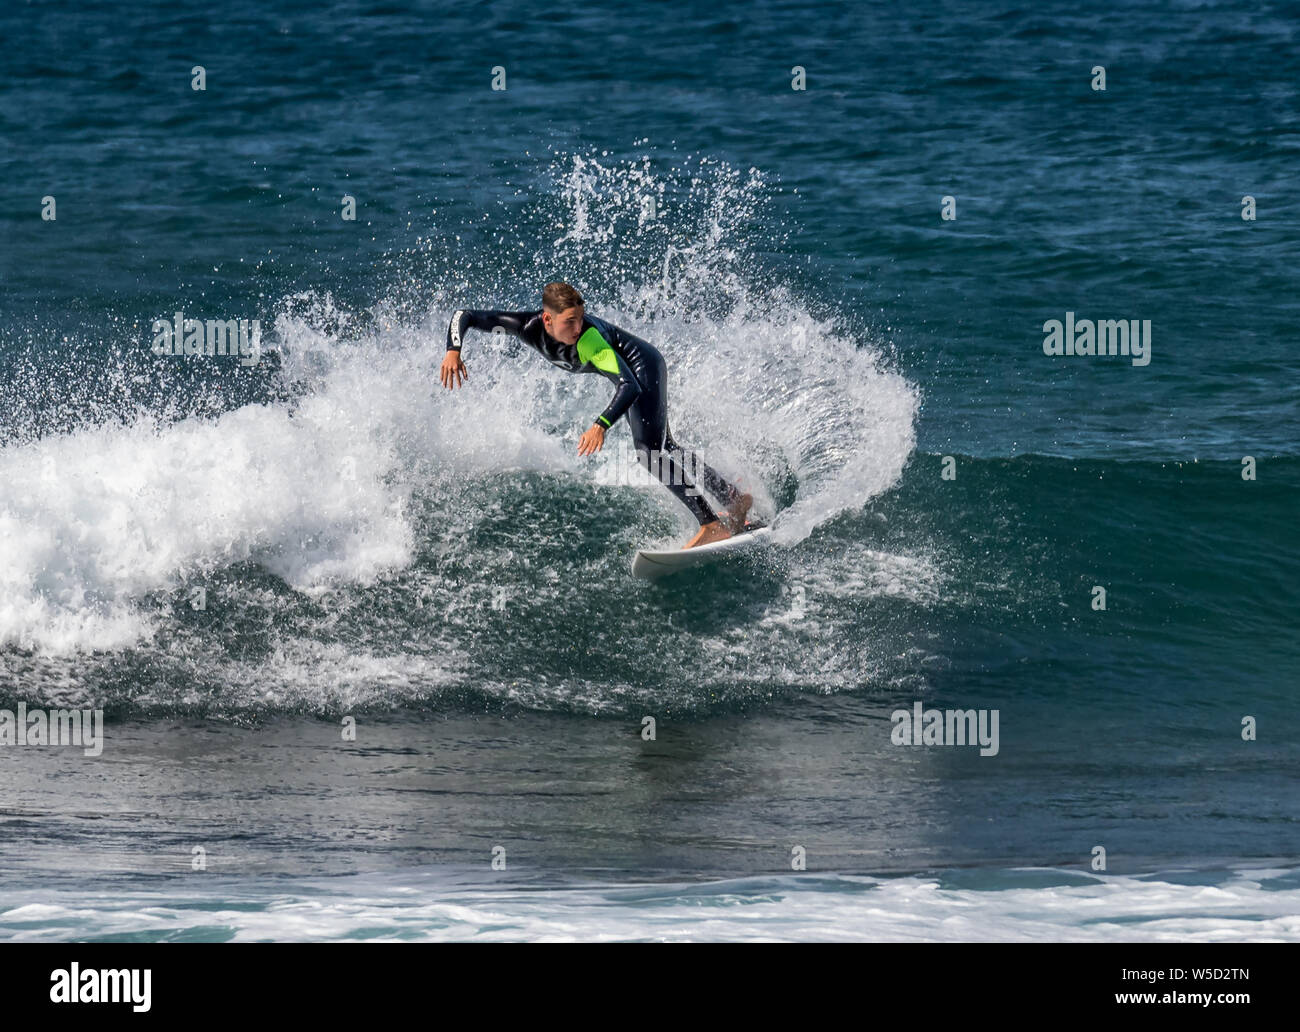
[453,372]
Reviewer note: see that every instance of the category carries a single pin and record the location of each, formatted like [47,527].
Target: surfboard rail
[650,564]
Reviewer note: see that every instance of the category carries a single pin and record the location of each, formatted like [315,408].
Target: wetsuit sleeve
[487,321]
[626,391]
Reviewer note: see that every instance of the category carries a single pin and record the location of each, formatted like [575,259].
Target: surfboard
[649,565]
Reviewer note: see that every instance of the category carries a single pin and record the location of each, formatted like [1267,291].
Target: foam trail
[101,520]
[95,519]
[757,383]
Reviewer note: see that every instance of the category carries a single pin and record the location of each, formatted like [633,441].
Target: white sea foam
[422,905]
[100,524]
[95,519]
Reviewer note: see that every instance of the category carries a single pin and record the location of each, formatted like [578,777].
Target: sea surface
[369,656]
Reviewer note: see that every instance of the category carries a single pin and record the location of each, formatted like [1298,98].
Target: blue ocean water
[230,557]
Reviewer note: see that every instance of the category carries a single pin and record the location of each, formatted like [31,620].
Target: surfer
[579,343]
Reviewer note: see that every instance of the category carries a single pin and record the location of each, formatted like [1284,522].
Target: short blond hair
[559,297]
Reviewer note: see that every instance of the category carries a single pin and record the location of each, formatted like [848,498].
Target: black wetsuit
[640,376]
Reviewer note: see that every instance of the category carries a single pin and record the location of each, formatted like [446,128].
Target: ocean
[368,654]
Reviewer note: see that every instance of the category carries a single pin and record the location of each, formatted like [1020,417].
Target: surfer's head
[562,311]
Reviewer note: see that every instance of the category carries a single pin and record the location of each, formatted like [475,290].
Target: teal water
[947,497]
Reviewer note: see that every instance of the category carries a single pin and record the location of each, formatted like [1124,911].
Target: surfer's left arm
[626,391]
[592,441]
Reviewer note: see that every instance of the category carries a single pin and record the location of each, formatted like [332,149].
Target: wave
[196,549]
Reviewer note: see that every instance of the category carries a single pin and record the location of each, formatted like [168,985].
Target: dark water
[947,497]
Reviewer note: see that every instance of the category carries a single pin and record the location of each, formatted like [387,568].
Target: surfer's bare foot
[709,532]
[736,515]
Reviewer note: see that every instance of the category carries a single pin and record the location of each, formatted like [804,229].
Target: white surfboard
[650,564]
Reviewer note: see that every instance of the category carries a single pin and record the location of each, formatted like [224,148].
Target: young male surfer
[579,343]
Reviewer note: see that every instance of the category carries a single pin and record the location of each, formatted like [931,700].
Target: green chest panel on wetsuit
[594,348]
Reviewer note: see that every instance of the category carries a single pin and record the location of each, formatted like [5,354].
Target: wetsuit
[640,376]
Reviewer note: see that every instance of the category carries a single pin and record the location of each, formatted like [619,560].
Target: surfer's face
[565,327]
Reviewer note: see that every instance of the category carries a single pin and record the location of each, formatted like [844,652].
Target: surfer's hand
[592,441]
[453,372]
